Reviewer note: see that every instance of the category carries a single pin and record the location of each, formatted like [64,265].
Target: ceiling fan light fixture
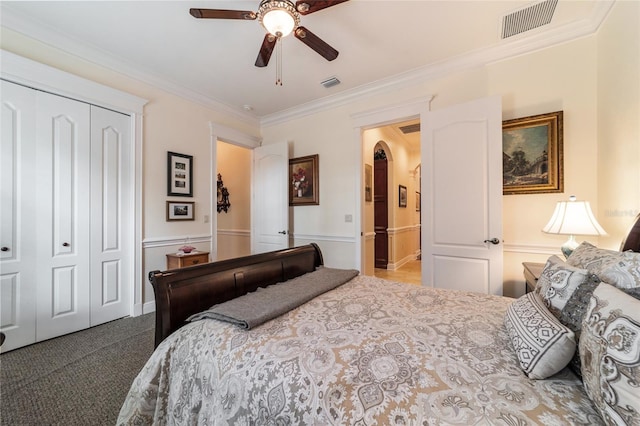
[278,17]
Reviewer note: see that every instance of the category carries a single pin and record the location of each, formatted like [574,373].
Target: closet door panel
[17,216]
[112,215]
[63,196]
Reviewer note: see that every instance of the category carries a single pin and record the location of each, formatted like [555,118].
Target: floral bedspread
[371,352]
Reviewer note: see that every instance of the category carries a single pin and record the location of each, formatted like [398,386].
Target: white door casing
[17,230]
[63,196]
[462,197]
[111,256]
[270,205]
[36,75]
[65,215]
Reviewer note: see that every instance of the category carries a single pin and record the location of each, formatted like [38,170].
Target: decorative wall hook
[223,196]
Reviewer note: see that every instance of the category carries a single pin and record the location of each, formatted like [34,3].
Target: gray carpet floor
[77,379]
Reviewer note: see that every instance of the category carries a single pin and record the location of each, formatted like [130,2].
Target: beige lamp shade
[573,218]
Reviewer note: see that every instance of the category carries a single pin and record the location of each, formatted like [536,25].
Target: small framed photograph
[402,196]
[179,175]
[418,201]
[180,210]
[303,181]
[532,157]
[368,185]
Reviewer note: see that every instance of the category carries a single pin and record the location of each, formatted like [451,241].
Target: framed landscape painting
[532,158]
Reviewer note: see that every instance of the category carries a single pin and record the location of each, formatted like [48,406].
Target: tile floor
[407,273]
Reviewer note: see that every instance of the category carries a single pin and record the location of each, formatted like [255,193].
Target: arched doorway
[381,207]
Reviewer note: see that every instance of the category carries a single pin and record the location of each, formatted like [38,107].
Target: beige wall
[619,121]
[170,123]
[593,80]
[234,227]
[564,77]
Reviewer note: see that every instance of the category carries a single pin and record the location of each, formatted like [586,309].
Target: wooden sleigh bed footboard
[180,293]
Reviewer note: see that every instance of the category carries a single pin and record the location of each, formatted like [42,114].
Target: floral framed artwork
[402,196]
[180,210]
[532,154]
[303,181]
[179,175]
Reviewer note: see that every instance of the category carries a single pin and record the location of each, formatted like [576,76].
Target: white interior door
[270,206]
[462,197]
[17,217]
[111,257]
[63,195]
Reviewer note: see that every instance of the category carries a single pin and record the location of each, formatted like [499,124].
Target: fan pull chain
[279,61]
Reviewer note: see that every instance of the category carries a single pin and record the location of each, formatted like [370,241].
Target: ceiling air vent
[528,18]
[411,128]
[330,82]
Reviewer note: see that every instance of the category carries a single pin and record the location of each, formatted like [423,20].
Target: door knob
[4,249]
[282,232]
[65,244]
[493,241]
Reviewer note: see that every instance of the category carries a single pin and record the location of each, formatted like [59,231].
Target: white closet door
[17,217]
[62,204]
[111,215]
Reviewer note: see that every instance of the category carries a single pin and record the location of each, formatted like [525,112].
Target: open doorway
[233,214]
[392,216]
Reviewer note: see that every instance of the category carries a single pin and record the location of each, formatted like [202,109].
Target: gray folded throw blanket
[253,309]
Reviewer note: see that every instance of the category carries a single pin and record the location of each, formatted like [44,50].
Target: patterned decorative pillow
[557,283]
[621,269]
[610,348]
[542,344]
[573,313]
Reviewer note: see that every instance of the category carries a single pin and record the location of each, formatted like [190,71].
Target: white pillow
[610,353]
[542,344]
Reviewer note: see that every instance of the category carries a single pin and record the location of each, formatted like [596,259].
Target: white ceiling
[211,61]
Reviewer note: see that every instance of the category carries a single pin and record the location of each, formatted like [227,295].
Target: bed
[367,351]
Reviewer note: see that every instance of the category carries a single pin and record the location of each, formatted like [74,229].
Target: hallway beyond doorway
[410,273]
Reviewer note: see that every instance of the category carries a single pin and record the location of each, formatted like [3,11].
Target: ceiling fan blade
[316,43]
[305,7]
[268,44]
[222,14]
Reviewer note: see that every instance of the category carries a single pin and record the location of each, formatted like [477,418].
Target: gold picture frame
[532,154]
[304,183]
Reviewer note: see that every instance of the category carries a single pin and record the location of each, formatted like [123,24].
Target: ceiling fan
[280,18]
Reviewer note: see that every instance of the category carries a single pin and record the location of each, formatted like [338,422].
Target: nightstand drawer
[175,261]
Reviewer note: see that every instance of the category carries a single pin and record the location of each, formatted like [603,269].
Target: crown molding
[475,59]
[15,21]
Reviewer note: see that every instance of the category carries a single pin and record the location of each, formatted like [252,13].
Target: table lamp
[573,218]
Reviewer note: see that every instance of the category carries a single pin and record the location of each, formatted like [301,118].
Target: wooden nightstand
[532,272]
[175,261]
